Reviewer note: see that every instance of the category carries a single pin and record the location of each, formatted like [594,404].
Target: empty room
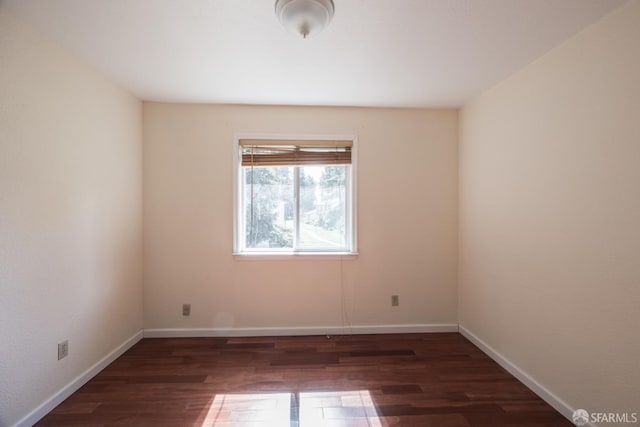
[320,213]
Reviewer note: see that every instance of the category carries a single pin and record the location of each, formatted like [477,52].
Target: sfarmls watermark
[581,417]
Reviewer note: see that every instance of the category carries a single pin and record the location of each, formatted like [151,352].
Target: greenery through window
[295,200]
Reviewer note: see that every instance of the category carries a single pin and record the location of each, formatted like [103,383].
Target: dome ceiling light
[305,17]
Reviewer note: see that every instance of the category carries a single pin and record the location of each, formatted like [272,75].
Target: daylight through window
[295,196]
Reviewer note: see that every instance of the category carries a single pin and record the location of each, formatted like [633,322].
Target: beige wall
[407,197]
[550,217]
[70,218]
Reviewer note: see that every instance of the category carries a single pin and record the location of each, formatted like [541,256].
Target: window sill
[287,256]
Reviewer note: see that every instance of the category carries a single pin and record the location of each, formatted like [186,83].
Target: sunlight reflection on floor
[307,409]
[338,408]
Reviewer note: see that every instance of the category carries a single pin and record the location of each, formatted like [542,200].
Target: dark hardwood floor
[439,380]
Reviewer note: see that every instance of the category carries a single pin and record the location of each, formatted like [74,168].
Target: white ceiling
[401,53]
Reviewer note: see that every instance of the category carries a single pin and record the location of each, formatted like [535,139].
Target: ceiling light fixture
[305,17]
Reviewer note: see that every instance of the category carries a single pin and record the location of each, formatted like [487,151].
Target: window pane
[322,207]
[269,207]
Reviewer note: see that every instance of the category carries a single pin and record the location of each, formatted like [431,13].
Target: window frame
[239,247]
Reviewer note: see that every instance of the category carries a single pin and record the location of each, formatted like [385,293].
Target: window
[294,196]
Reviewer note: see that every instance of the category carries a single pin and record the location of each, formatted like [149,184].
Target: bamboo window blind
[266,152]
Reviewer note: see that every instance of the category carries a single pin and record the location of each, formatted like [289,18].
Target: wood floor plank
[437,380]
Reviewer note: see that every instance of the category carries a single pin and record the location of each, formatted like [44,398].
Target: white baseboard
[293,331]
[47,406]
[542,392]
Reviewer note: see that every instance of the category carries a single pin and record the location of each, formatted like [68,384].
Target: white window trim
[238,250]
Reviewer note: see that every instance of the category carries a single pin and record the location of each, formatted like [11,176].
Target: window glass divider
[296,211]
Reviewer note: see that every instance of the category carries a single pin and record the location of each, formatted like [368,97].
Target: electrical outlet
[395,300]
[186,309]
[63,349]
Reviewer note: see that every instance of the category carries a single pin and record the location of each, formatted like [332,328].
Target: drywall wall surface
[407,216]
[70,218]
[550,217]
